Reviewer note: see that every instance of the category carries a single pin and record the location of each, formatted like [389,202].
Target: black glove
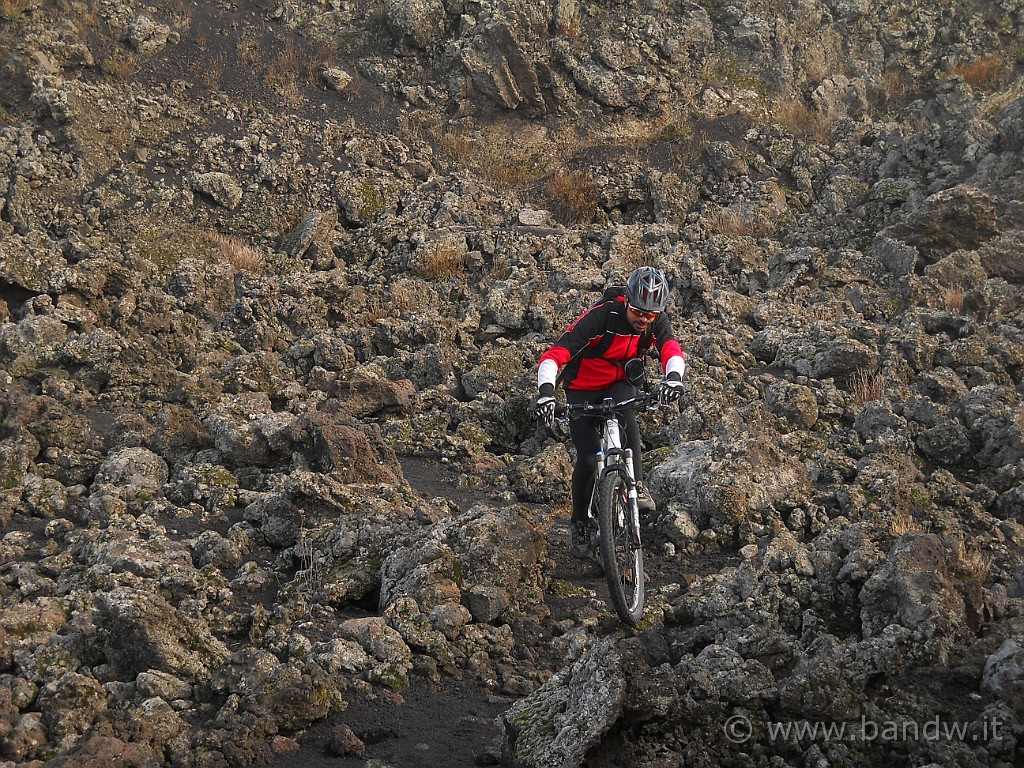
[544,406]
[671,389]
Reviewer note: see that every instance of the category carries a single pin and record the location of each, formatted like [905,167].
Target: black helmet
[647,290]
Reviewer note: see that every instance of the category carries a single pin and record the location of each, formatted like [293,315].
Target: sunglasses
[642,313]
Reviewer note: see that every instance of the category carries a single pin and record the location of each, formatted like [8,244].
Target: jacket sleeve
[585,331]
[673,359]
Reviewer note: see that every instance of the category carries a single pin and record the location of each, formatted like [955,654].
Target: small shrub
[573,196]
[119,65]
[984,71]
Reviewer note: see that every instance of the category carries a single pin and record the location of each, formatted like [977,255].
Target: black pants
[587,439]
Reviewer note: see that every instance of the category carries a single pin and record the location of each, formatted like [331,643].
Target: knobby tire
[623,560]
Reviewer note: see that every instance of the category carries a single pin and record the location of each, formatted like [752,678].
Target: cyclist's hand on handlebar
[671,389]
[544,406]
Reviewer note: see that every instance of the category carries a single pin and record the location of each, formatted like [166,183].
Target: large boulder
[1004,675]
[915,588]
[420,22]
[492,560]
[558,723]
[144,632]
[135,472]
[731,486]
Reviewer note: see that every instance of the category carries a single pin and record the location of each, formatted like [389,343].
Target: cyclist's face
[640,319]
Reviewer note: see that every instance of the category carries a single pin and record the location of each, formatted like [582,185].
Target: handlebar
[607,407]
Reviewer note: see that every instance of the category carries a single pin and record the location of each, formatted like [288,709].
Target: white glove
[544,406]
[671,389]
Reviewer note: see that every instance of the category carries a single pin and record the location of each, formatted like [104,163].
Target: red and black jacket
[592,352]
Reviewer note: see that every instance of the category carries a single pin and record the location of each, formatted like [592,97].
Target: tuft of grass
[247,48]
[90,15]
[241,256]
[954,300]
[985,71]
[802,120]
[312,570]
[573,196]
[404,298]
[181,14]
[892,91]
[212,71]
[902,523]
[970,563]
[119,65]
[742,222]
[13,10]
[867,387]
[441,259]
[728,221]
[509,157]
[293,67]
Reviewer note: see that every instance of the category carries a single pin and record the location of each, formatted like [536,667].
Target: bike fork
[634,507]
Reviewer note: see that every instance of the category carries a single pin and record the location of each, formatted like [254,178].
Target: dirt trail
[452,722]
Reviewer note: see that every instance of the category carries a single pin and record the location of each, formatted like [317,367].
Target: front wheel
[621,554]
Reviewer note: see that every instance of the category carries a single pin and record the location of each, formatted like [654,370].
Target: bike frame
[622,518]
[613,457]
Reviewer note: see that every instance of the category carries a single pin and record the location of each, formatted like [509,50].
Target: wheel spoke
[623,560]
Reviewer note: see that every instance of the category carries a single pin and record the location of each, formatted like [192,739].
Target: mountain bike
[613,504]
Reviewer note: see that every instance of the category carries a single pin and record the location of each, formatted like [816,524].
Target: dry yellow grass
[212,71]
[893,89]
[119,65]
[84,15]
[903,523]
[510,157]
[405,297]
[970,562]
[867,387]
[727,221]
[12,10]
[984,71]
[742,223]
[239,255]
[441,258]
[802,120]
[954,300]
[247,49]
[573,196]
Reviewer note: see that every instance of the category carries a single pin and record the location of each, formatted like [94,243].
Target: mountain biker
[591,355]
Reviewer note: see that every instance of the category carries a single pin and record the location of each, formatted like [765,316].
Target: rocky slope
[254,256]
